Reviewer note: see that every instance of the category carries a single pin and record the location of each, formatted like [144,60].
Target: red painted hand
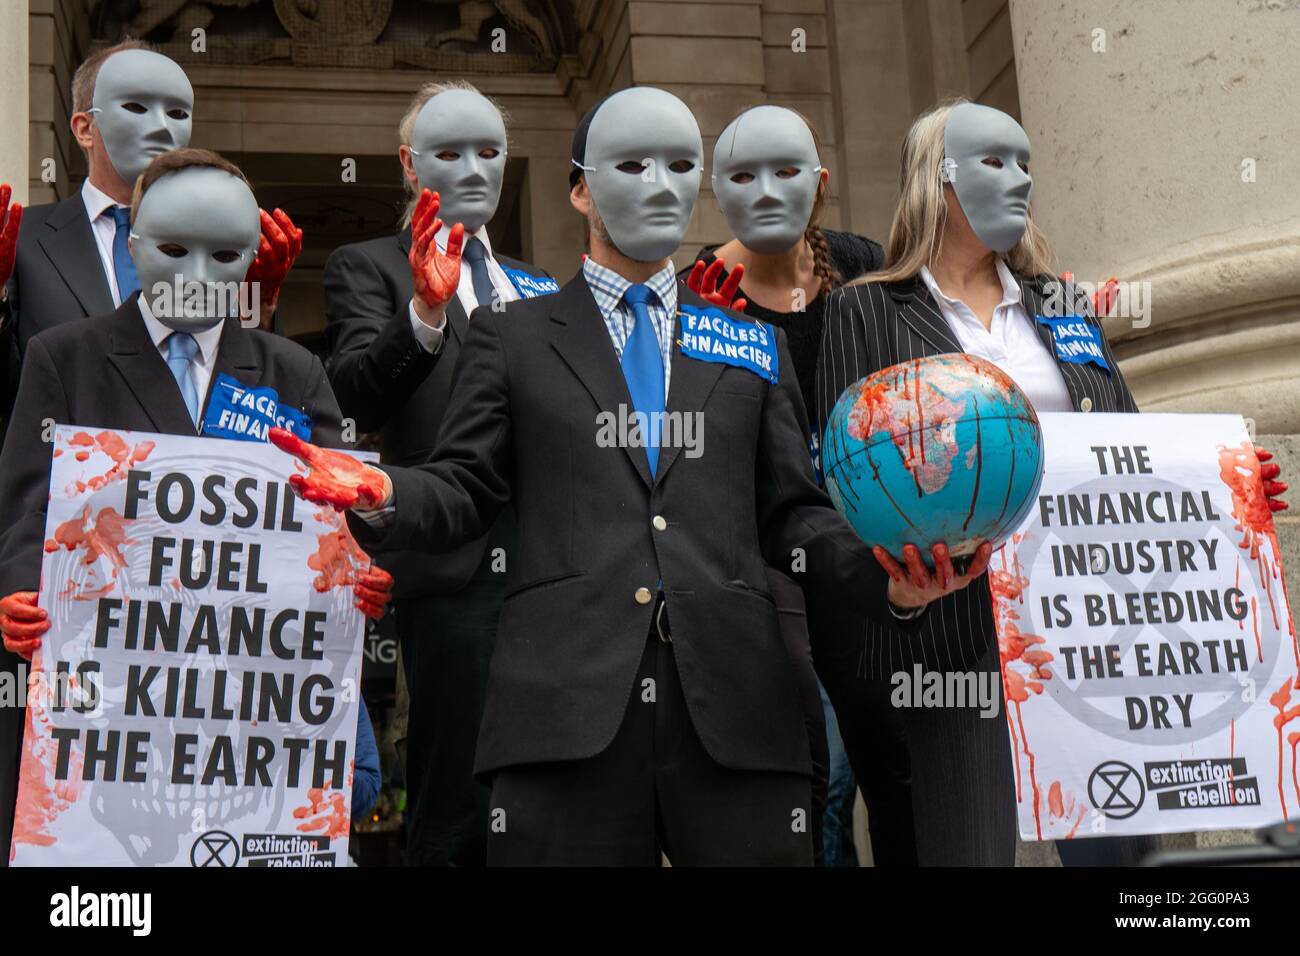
[1273,489]
[917,586]
[373,589]
[436,274]
[332,477]
[23,623]
[704,282]
[1103,300]
[10,219]
[277,251]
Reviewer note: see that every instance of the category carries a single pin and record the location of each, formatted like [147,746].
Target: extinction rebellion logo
[1118,790]
[218,848]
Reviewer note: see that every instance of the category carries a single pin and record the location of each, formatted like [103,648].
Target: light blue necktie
[127,280]
[643,367]
[476,255]
[181,349]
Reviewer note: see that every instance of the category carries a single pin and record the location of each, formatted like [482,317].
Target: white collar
[482,236]
[208,339]
[1010,287]
[97,201]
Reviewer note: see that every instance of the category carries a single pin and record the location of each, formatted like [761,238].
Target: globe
[944,448]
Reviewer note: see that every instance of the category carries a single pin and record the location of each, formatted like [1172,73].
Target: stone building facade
[1164,133]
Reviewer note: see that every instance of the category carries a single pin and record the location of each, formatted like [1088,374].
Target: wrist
[896,594]
[434,318]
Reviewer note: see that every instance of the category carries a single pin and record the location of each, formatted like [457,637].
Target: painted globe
[944,448]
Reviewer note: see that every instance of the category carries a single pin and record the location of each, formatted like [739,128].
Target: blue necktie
[643,368]
[476,255]
[181,349]
[127,281]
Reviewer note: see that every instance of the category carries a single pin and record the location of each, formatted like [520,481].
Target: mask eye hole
[134,108]
[448,155]
[742,179]
[788,172]
[1024,167]
[178,114]
[225,255]
[631,167]
[173,250]
[992,161]
[489,153]
[681,166]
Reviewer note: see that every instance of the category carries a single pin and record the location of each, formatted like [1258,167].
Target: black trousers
[872,729]
[653,788]
[794,633]
[447,644]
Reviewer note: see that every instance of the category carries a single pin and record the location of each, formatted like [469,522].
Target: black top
[852,255]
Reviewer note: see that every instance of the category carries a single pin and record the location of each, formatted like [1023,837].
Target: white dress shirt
[430,339]
[1011,342]
[99,207]
[204,360]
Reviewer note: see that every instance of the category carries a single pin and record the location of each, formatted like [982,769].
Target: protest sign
[1149,659]
[195,702]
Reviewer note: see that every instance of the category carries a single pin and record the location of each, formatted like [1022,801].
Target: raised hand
[23,623]
[1103,300]
[917,586]
[1273,489]
[373,590]
[704,282]
[436,274]
[10,218]
[332,477]
[277,251]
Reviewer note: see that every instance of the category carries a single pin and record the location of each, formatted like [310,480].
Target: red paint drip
[328,813]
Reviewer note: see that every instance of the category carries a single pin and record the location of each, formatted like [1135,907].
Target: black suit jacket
[388,383]
[105,371]
[523,422]
[58,277]
[874,326]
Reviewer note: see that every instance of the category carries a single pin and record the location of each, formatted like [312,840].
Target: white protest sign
[1149,658]
[195,702]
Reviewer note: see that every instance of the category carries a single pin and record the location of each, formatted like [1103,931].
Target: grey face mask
[194,235]
[765,175]
[984,150]
[142,106]
[643,163]
[458,149]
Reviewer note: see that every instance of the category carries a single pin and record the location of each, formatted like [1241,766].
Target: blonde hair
[916,235]
[406,128]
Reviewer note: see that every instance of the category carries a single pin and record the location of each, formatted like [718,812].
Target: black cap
[580,142]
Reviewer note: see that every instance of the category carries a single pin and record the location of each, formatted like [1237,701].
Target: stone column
[13,105]
[1165,150]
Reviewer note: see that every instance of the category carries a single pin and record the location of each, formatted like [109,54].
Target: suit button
[659,523]
[1085,404]
[643,596]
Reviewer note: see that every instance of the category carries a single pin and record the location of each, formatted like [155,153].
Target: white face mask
[643,164]
[458,149]
[986,158]
[765,175]
[194,236]
[142,105]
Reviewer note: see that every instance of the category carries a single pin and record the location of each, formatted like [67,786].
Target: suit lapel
[145,372]
[918,310]
[582,340]
[691,383]
[70,246]
[234,358]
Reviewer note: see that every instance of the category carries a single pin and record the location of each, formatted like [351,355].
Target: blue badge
[710,335]
[529,286]
[247,414]
[1077,340]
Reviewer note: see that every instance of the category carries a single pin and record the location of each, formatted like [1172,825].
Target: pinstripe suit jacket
[873,326]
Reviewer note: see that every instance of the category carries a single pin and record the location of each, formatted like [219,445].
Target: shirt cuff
[378,517]
[429,338]
[905,613]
